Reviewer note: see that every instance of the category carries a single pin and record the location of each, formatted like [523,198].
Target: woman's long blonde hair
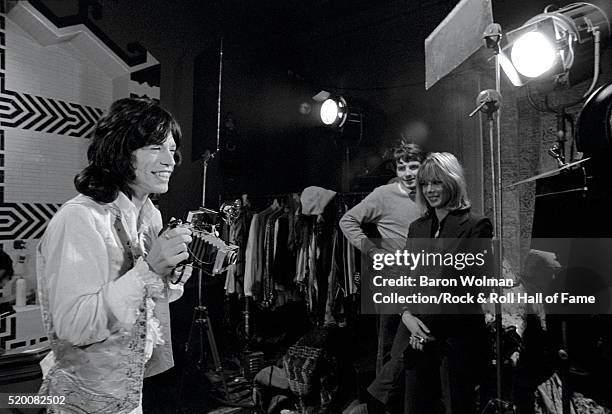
[444,167]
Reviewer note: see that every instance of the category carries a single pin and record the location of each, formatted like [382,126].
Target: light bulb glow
[533,54]
[329,111]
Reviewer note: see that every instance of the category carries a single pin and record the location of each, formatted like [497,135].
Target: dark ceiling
[350,44]
[354,45]
[369,50]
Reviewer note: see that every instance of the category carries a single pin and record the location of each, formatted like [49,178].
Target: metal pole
[489,102]
[207,154]
[499,230]
[219,96]
[205,159]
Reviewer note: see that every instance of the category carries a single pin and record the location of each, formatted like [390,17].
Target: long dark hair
[130,124]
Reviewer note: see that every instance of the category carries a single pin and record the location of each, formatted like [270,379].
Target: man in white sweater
[391,208]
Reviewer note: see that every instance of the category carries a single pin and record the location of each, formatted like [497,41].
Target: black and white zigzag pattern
[25,220]
[2,68]
[25,111]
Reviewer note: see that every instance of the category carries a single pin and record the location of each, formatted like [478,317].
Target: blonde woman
[445,348]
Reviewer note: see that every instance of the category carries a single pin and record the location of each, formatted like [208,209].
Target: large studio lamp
[338,116]
[334,112]
[549,45]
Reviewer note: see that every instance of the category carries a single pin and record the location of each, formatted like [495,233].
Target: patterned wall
[24,220]
[46,115]
[3,218]
[43,136]
[52,92]
[51,95]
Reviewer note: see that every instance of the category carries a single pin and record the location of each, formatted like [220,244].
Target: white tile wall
[56,71]
[40,167]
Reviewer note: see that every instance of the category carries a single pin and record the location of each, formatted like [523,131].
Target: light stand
[558,152]
[201,318]
[489,102]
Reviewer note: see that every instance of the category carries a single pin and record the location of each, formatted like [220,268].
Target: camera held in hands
[207,251]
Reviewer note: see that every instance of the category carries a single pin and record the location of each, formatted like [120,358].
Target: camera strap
[128,248]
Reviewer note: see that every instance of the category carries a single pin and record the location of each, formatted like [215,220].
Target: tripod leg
[215,352]
[201,325]
[193,322]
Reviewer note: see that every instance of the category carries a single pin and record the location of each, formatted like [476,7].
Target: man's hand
[420,332]
[168,250]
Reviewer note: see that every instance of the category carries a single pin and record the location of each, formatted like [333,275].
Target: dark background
[279,53]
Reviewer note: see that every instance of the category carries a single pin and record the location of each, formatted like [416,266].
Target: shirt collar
[462,211]
[128,209]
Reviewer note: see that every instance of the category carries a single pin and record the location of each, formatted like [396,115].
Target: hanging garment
[332,286]
[251,258]
[260,251]
[283,269]
[238,235]
[269,248]
[548,397]
[311,271]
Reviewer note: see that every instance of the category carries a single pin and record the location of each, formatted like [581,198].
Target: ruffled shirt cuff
[154,331]
[153,283]
[176,290]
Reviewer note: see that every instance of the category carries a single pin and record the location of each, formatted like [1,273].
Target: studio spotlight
[334,112]
[548,45]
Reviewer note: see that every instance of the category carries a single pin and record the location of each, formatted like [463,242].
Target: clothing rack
[259,199]
[278,195]
[272,196]
[341,201]
[261,196]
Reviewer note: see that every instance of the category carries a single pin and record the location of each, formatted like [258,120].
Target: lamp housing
[334,111]
[550,44]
